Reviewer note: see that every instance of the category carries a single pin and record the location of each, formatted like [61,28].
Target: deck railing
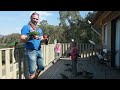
[10,69]
[85,49]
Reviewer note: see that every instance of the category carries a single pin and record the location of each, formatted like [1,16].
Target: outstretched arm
[23,38]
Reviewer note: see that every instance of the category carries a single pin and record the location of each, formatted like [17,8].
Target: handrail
[48,54]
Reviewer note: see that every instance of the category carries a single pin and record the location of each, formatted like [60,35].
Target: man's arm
[41,38]
[23,38]
[24,33]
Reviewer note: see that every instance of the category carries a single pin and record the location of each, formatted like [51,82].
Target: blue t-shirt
[31,44]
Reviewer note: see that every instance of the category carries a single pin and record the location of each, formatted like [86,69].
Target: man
[33,46]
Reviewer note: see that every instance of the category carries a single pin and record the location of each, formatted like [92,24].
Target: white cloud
[43,14]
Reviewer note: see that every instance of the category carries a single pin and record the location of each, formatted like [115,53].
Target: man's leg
[26,73]
[31,59]
[40,63]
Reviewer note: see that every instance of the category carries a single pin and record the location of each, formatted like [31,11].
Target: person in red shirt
[45,39]
[74,56]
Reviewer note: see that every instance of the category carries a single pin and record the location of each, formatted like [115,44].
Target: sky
[13,21]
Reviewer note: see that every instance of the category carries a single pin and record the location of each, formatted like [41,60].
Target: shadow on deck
[87,69]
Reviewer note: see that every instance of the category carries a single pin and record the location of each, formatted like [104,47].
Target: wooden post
[7,63]
[0,64]
[47,54]
[19,62]
[14,65]
[65,50]
[83,50]
[25,67]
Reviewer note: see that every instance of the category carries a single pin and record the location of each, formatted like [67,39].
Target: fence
[85,49]
[11,70]
[7,67]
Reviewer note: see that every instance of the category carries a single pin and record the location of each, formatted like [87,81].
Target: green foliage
[70,20]
[9,40]
[34,33]
[53,32]
[1,46]
[14,43]
[72,26]
[77,28]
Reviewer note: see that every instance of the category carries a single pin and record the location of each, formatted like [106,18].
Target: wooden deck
[87,69]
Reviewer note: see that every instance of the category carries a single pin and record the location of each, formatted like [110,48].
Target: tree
[91,34]
[44,25]
[54,32]
[10,38]
[70,21]
[76,27]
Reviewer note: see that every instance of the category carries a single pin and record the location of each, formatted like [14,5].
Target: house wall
[117,44]
[110,19]
[109,36]
[107,21]
[107,42]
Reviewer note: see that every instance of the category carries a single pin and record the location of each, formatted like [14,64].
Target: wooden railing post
[25,66]
[0,64]
[63,51]
[7,63]
[66,50]
[20,73]
[43,53]
[14,65]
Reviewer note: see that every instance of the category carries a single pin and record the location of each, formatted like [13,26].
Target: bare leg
[31,76]
[37,74]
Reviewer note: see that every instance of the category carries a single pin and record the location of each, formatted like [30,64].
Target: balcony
[12,67]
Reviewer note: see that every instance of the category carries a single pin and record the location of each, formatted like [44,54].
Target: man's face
[35,19]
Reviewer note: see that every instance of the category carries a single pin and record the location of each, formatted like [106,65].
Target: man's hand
[23,38]
[41,38]
[36,37]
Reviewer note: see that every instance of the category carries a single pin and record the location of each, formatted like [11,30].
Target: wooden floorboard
[49,70]
[95,70]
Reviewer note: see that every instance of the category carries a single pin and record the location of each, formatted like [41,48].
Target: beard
[34,22]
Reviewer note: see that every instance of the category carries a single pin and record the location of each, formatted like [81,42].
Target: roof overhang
[99,17]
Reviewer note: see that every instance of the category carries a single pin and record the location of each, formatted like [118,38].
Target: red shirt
[73,52]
